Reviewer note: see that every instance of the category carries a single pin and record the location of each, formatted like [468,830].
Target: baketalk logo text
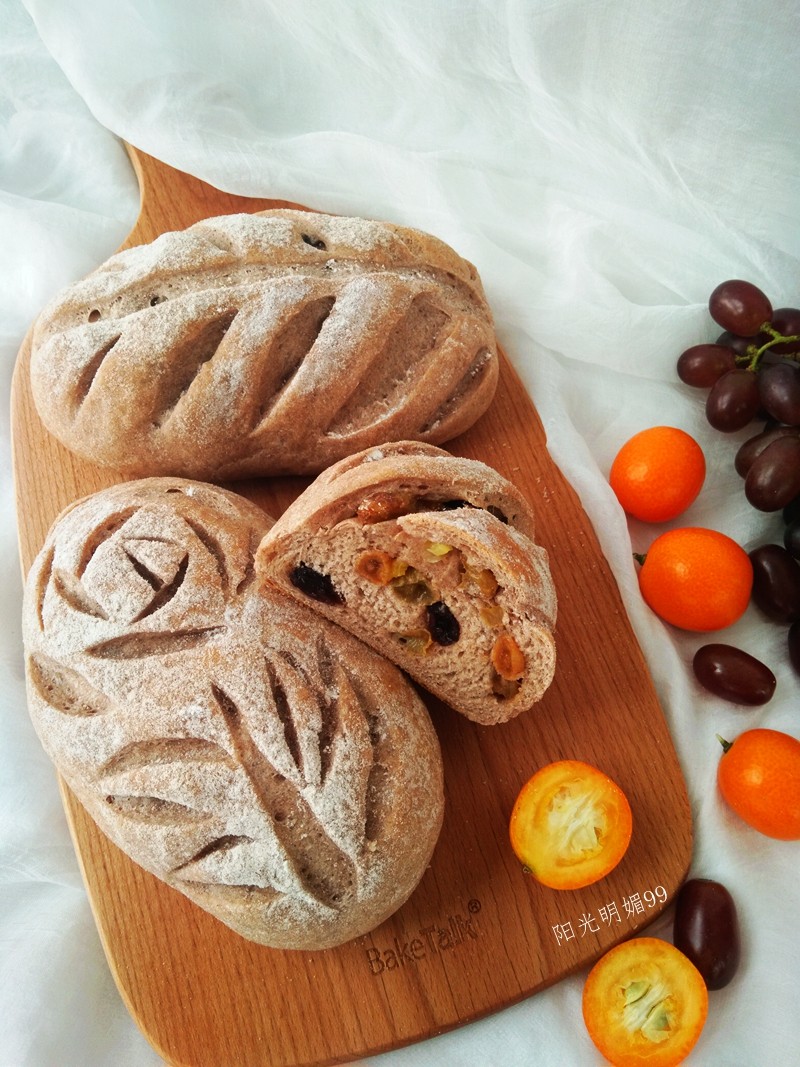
[437,939]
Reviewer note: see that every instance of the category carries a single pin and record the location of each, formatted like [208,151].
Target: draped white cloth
[604,163]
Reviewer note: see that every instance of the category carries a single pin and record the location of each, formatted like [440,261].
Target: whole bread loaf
[268,343]
[430,559]
[247,752]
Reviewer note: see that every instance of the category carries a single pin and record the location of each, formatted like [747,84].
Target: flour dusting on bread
[248,753]
[271,343]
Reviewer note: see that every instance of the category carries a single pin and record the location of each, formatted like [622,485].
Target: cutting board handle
[169,193]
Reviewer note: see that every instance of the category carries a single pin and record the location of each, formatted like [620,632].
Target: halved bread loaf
[428,558]
[250,754]
[271,343]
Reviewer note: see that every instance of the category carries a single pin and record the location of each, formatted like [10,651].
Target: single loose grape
[733,674]
[706,930]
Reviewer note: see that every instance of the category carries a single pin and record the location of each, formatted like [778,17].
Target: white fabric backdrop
[604,163]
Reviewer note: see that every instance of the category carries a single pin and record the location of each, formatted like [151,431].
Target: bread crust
[268,343]
[430,559]
[251,755]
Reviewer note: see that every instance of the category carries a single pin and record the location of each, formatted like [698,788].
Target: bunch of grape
[752,372]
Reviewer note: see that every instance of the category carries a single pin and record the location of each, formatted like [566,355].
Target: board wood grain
[478,934]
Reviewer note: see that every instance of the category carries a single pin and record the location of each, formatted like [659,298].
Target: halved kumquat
[645,1004]
[570,825]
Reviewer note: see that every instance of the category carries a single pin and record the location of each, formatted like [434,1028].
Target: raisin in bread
[266,343]
[247,752]
[430,559]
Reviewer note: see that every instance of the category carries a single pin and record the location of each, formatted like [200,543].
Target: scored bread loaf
[267,343]
[251,755]
[430,559]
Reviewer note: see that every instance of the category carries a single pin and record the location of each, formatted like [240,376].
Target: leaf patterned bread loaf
[250,754]
[271,343]
[430,559]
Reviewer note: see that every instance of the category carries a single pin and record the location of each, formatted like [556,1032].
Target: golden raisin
[383,506]
[437,549]
[491,614]
[486,583]
[506,657]
[484,580]
[417,642]
[379,567]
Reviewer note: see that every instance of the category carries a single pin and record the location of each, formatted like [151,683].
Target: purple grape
[702,365]
[791,539]
[706,929]
[733,401]
[776,583]
[773,480]
[787,322]
[739,307]
[794,645]
[739,345]
[754,446]
[791,513]
[733,674]
[779,390]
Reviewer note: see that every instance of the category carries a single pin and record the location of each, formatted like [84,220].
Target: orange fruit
[759,778]
[658,473]
[696,579]
[645,1004]
[570,825]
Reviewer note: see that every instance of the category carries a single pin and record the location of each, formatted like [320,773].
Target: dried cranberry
[315,584]
[442,623]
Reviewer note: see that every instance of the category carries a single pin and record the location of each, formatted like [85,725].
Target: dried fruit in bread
[430,559]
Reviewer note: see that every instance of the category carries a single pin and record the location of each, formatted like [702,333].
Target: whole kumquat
[696,579]
[759,778]
[658,473]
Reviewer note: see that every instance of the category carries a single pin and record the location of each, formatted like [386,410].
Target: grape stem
[753,357]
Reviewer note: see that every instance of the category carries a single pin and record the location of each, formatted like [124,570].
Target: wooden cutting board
[479,934]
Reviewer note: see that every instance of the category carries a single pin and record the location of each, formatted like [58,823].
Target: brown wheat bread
[253,756]
[266,343]
[430,559]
